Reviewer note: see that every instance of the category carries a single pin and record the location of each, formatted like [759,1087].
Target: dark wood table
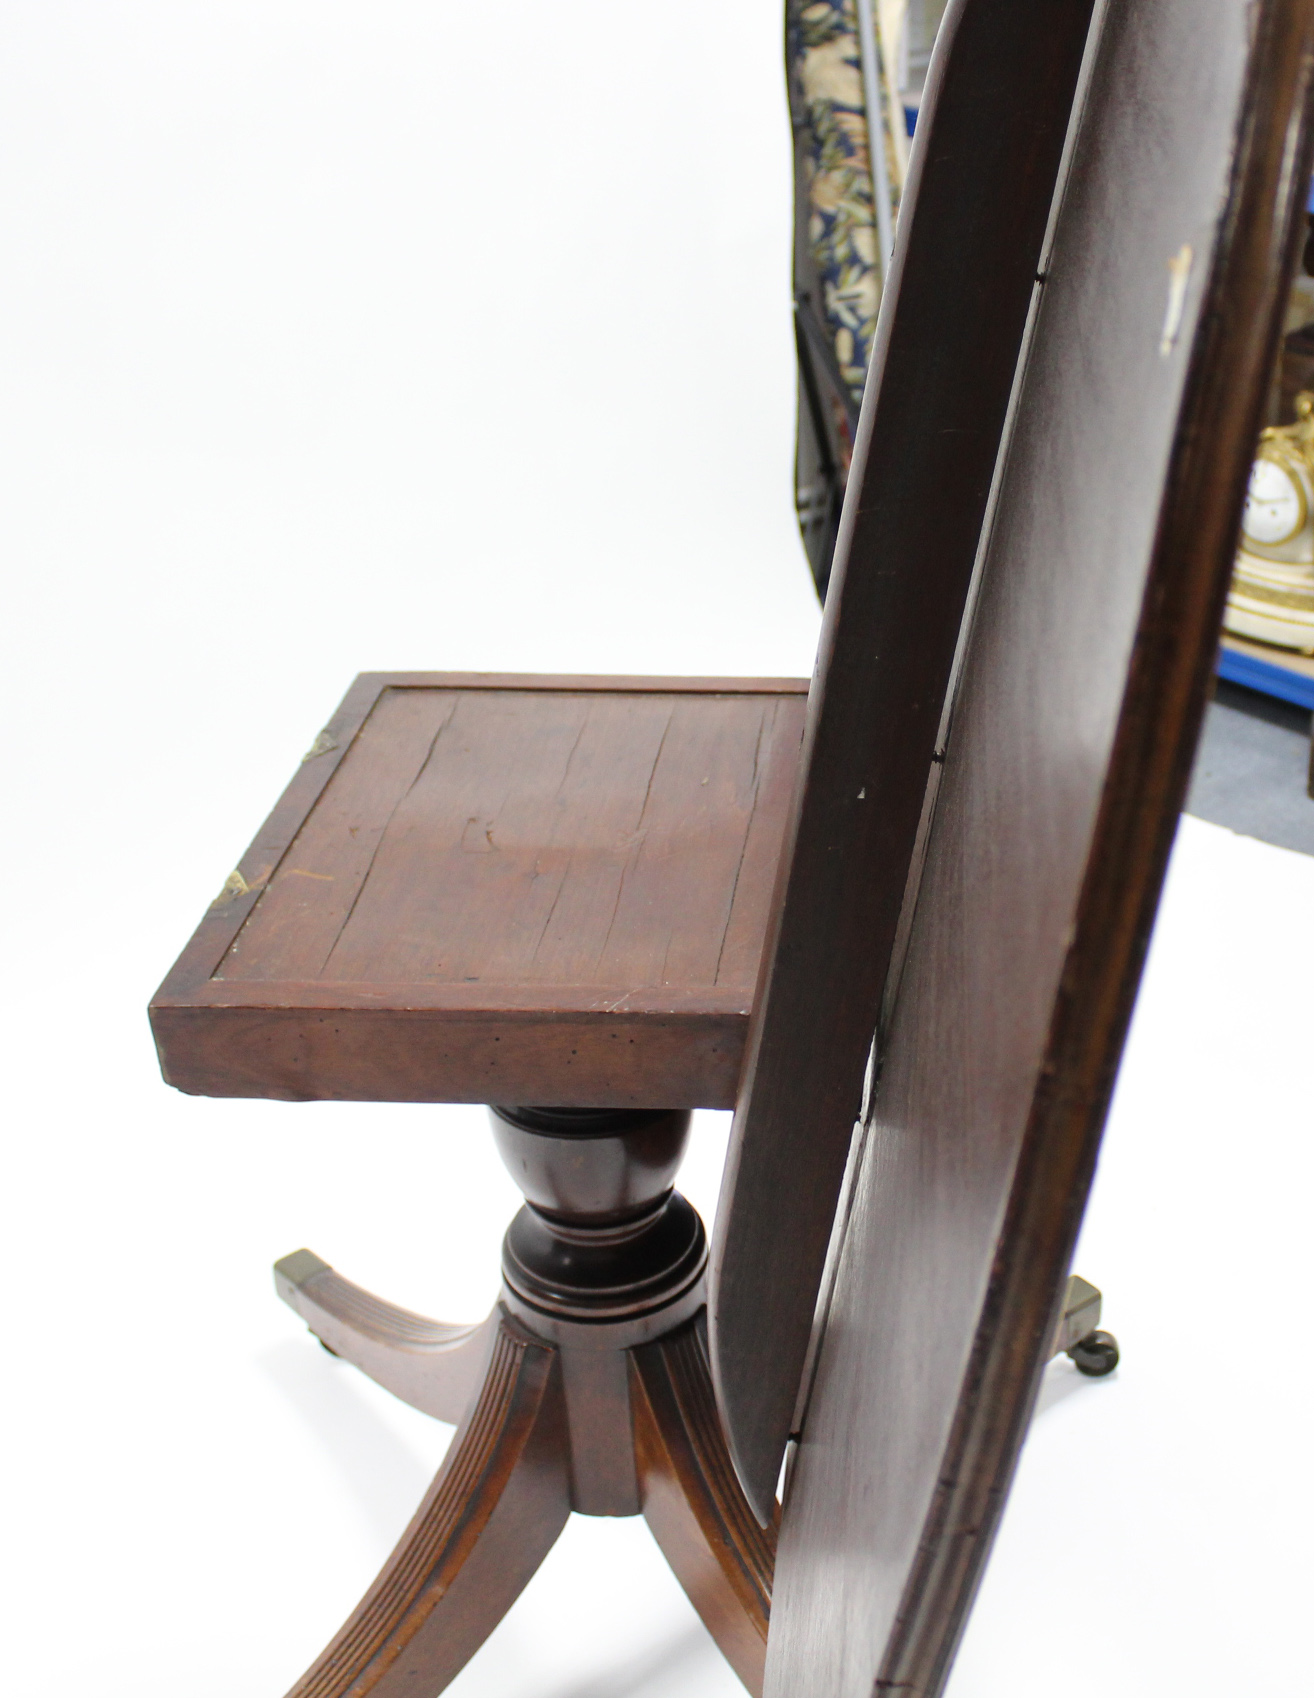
[939,866]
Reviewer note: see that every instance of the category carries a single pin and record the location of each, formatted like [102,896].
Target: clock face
[1275,505]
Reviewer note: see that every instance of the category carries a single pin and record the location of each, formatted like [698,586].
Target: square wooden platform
[486,888]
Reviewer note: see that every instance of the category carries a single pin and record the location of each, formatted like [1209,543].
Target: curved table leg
[693,1503]
[491,1515]
[428,1364]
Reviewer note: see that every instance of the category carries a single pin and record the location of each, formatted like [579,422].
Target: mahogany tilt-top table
[895,917]
[525,889]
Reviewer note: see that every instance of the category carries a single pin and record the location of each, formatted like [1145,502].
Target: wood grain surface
[693,1502]
[494,1510]
[990,137]
[514,890]
[1065,767]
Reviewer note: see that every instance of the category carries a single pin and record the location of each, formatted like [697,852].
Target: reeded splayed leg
[432,1366]
[693,1503]
[491,1515]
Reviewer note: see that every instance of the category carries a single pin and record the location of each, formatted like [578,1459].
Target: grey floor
[1252,769]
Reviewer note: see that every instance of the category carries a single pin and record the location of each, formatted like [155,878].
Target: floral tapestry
[830,122]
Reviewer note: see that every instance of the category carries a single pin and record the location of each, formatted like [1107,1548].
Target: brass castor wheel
[1096,1354]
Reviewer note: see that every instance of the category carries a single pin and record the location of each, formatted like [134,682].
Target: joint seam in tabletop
[564,880]
[638,846]
[743,847]
[392,814]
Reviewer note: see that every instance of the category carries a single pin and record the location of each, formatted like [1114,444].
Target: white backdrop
[421,335]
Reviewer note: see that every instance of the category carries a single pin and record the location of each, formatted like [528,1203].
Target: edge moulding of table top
[500,889]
